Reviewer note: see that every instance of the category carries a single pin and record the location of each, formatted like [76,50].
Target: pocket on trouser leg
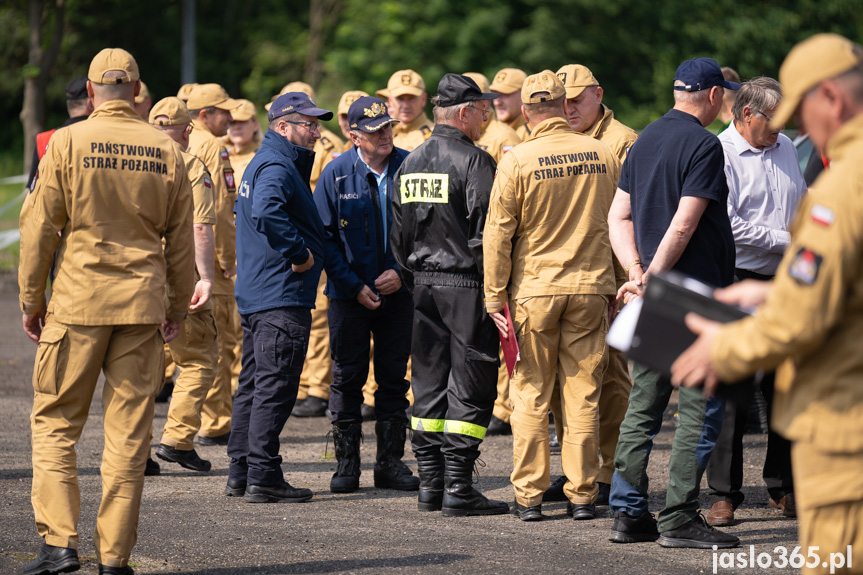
[480,371]
[48,372]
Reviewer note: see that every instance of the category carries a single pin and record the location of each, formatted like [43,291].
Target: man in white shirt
[765,185]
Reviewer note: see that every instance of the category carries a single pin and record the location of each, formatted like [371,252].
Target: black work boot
[430,469]
[461,499]
[53,559]
[346,439]
[390,470]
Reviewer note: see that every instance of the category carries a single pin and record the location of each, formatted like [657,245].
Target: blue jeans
[274,349]
[700,423]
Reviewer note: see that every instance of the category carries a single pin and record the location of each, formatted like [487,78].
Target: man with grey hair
[764,187]
[669,213]
[438,217]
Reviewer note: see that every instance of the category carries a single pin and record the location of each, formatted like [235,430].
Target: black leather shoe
[629,529]
[188,459]
[533,513]
[280,493]
[498,427]
[697,534]
[555,491]
[310,407]
[604,492]
[215,439]
[104,569]
[53,559]
[235,488]
[152,468]
[581,511]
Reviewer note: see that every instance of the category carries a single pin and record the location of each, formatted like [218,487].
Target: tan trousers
[828,490]
[216,412]
[68,362]
[502,403]
[318,368]
[196,353]
[559,337]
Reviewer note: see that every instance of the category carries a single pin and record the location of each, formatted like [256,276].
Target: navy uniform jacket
[348,203]
[276,223]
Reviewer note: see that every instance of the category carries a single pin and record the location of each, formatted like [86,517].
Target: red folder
[509,344]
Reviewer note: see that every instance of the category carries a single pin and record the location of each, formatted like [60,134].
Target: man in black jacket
[438,217]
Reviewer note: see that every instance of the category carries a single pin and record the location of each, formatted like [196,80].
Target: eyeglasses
[769,118]
[485,112]
[312,126]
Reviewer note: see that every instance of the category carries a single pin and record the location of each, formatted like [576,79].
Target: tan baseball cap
[244,111]
[809,63]
[113,60]
[185,90]
[292,87]
[508,80]
[401,83]
[542,87]
[207,95]
[173,108]
[347,99]
[480,80]
[143,95]
[576,78]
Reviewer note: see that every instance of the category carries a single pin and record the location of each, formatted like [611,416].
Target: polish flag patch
[224,154]
[822,215]
[208,183]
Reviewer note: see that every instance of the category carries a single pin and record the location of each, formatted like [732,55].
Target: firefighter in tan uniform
[497,139]
[185,90]
[115,187]
[809,320]
[587,115]
[243,140]
[143,102]
[546,239]
[210,108]
[406,100]
[196,348]
[507,107]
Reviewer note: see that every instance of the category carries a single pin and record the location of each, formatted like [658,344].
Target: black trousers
[351,324]
[275,342]
[725,468]
[454,372]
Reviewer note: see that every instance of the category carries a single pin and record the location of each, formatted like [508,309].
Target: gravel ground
[188,526]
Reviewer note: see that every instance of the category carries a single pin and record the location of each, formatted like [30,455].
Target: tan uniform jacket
[520,127]
[813,316]
[115,187]
[613,134]
[619,138]
[409,136]
[326,150]
[547,228]
[212,152]
[204,207]
[240,157]
[497,139]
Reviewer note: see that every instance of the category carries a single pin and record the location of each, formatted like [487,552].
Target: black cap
[77,89]
[454,89]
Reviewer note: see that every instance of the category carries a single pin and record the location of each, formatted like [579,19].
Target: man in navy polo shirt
[669,212]
[366,298]
[279,259]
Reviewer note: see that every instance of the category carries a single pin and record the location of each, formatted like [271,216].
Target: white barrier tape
[8,238]
[22,179]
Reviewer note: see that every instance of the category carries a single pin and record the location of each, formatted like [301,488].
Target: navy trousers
[274,349]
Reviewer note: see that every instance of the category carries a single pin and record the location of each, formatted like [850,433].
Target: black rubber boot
[346,439]
[459,496]
[390,470]
[430,469]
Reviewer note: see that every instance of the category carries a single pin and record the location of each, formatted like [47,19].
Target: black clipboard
[661,334]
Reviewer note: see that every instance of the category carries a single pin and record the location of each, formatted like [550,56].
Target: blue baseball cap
[297,103]
[369,114]
[700,74]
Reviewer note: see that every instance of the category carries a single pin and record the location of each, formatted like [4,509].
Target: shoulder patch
[822,215]
[326,143]
[805,266]
[207,182]
[224,154]
[229,180]
[426,132]
[506,148]
[33,183]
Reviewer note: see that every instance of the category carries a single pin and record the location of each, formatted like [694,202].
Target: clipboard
[661,334]
[510,344]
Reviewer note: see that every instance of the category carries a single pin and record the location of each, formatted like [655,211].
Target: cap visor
[405,90]
[731,85]
[488,96]
[574,91]
[325,115]
[784,111]
[372,129]
[504,89]
[228,104]
[383,94]
[240,117]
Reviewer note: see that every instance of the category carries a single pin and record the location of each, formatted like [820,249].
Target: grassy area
[10,165]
